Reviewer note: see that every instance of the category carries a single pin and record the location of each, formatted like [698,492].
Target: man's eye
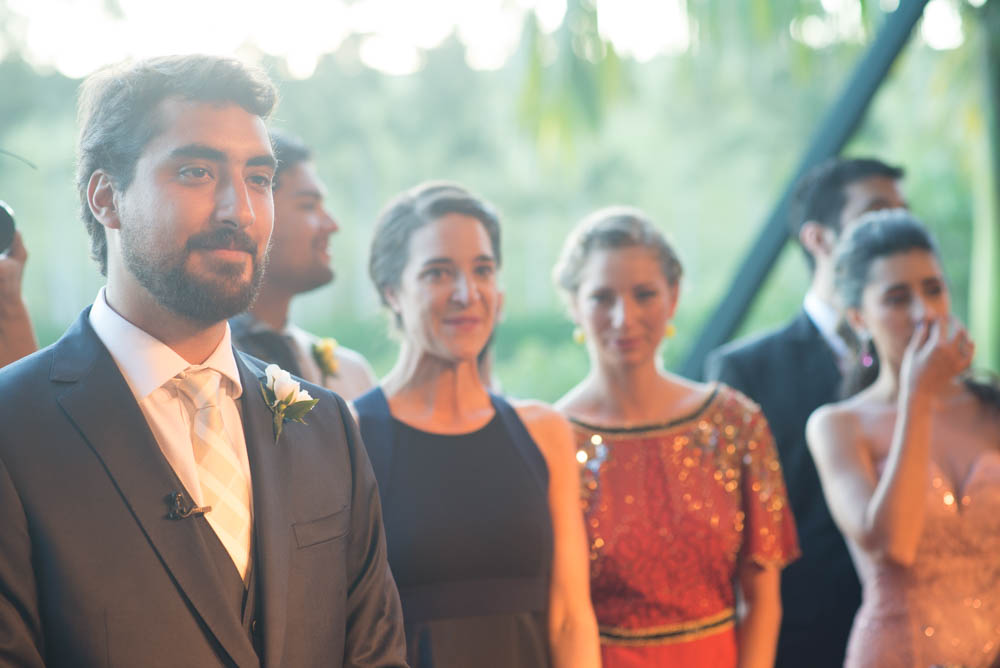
[195,173]
[262,180]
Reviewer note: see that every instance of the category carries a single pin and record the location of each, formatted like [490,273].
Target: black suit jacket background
[790,373]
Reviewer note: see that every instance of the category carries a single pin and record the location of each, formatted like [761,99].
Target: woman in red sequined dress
[684,500]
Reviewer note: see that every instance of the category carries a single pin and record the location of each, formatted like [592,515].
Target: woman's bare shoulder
[535,412]
[831,426]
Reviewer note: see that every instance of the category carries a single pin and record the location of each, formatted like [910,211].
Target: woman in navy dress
[480,496]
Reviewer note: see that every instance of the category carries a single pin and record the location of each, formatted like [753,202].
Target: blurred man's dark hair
[820,196]
[289,151]
[117,114]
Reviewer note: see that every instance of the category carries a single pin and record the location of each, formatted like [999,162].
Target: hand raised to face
[939,350]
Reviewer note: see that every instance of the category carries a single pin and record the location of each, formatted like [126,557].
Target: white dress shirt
[827,318]
[148,365]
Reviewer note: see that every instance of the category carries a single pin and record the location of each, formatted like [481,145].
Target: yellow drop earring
[670,331]
[578,336]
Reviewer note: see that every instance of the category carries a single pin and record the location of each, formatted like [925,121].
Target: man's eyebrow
[203,152]
[265,160]
[199,151]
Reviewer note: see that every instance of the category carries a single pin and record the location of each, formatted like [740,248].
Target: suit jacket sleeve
[375,636]
[20,624]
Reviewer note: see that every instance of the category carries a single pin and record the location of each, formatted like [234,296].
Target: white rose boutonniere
[288,402]
[324,352]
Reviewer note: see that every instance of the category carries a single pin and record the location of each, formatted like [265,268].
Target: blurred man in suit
[299,261]
[150,513]
[792,371]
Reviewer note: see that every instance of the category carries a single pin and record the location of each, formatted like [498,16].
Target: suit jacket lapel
[98,401]
[272,517]
[819,362]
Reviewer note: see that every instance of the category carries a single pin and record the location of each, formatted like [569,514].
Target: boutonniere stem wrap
[286,399]
[324,352]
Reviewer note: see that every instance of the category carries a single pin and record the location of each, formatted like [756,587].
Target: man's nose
[233,204]
[329,223]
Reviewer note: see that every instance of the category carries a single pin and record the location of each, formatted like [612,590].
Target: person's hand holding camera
[17,337]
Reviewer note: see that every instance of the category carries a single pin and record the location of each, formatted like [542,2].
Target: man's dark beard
[203,301]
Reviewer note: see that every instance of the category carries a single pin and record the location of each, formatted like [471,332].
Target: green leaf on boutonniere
[295,412]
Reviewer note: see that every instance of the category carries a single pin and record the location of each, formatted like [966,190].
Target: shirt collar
[255,326]
[826,318]
[145,361]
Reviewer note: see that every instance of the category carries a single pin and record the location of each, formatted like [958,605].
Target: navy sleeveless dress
[469,537]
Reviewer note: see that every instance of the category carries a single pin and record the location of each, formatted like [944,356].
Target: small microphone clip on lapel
[179,508]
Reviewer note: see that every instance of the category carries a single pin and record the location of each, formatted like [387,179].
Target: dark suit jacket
[791,372]
[92,573]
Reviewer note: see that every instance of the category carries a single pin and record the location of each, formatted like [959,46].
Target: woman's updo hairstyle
[873,236]
[408,212]
[611,228]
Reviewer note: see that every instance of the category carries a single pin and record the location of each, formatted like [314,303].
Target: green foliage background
[704,142]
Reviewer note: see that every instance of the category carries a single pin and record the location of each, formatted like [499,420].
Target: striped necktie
[224,487]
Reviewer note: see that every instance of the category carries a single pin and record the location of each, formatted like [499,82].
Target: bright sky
[78,36]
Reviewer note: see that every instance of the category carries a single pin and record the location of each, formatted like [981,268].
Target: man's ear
[818,239]
[856,321]
[101,198]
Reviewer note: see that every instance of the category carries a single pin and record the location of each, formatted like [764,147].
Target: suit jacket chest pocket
[323,529]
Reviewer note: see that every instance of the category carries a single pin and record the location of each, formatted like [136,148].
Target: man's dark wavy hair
[289,151]
[820,195]
[117,115]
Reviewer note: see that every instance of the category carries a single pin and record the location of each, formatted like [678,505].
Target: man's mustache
[223,238]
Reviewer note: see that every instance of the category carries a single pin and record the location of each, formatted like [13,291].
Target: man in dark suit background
[150,515]
[792,371]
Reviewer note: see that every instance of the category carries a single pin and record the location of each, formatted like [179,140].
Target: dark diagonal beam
[830,137]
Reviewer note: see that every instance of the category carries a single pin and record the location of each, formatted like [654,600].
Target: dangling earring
[867,359]
[670,331]
[578,336]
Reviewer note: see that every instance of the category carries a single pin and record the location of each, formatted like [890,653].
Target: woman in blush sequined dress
[910,465]
[684,500]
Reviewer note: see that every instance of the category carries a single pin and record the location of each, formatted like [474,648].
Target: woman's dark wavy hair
[876,235]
